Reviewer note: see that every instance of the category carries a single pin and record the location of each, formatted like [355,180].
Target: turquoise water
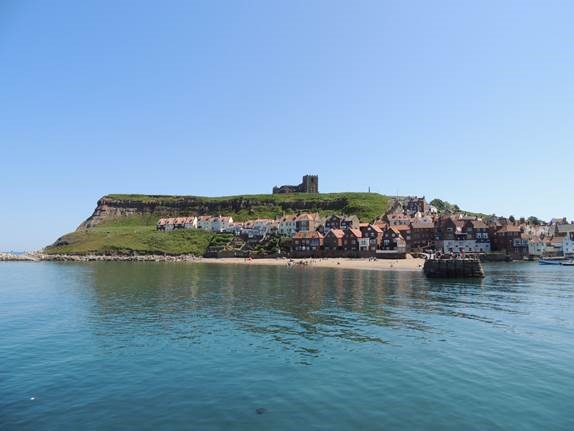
[148,346]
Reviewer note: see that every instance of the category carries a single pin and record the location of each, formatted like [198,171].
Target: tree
[511,219]
[535,221]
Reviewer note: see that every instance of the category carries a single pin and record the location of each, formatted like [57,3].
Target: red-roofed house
[307,222]
[374,235]
[333,241]
[393,240]
[351,239]
[308,241]
[508,239]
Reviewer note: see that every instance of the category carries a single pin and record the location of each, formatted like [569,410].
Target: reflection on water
[179,346]
[289,304]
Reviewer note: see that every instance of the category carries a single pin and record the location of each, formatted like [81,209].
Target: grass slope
[126,235]
[129,235]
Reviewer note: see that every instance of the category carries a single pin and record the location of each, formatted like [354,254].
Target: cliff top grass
[137,233]
[367,206]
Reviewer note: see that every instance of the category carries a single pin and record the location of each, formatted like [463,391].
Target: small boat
[550,261]
[567,263]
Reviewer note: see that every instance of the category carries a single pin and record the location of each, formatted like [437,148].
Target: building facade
[309,184]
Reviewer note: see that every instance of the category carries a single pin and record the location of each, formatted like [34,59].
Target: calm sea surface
[149,346]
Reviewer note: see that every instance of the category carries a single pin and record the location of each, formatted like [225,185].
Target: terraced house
[508,239]
[351,240]
[307,222]
[286,225]
[393,240]
[308,241]
[333,240]
[566,232]
[340,222]
[373,235]
[462,234]
[422,234]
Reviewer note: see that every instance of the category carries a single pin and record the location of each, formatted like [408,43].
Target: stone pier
[453,268]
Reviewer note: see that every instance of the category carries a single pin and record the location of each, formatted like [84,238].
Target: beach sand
[409,264]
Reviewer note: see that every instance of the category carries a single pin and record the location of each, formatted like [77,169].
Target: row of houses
[558,241]
[448,234]
[395,232]
[214,224]
[286,225]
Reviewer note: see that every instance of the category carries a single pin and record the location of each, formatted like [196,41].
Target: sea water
[149,346]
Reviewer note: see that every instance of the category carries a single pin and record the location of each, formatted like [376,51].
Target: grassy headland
[128,235]
[136,233]
[367,206]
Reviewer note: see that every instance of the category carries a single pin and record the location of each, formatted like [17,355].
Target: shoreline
[408,264]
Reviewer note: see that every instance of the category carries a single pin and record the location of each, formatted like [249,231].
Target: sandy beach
[409,264]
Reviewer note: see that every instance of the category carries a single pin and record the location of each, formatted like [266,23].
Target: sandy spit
[409,264]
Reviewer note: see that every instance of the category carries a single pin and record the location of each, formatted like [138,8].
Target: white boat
[550,261]
[567,263]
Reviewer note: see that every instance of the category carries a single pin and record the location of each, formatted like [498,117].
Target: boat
[568,263]
[549,261]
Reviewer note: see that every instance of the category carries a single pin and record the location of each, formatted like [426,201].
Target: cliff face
[240,207]
[125,224]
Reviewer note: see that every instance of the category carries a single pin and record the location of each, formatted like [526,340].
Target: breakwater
[453,268]
[37,257]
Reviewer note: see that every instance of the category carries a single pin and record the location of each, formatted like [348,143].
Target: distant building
[509,239]
[307,241]
[334,240]
[566,233]
[351,239]
[287,225]
[393,240]
[307,222]
[423,234]
[411,206]
[464,234]
[536,247]
[339,222]
[177,223]
[373,234]
[310,184]
[221,223]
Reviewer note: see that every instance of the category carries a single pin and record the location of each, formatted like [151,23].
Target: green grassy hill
[366,206]
[124,224]
[129,235]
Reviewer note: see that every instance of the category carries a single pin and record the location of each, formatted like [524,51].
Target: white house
[554,246]
[536,247]
[221,223]
[287,225]
[568,244]
[466,245]
[190,222]
[257,228]
[234,228]
[204,222]
[262,225]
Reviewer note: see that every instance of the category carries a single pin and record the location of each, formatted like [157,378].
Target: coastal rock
[114,258]
[110,207]
[9,257]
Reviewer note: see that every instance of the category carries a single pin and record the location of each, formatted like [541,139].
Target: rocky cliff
[365,205]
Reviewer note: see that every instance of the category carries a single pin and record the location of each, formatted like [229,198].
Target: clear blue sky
[472,102]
